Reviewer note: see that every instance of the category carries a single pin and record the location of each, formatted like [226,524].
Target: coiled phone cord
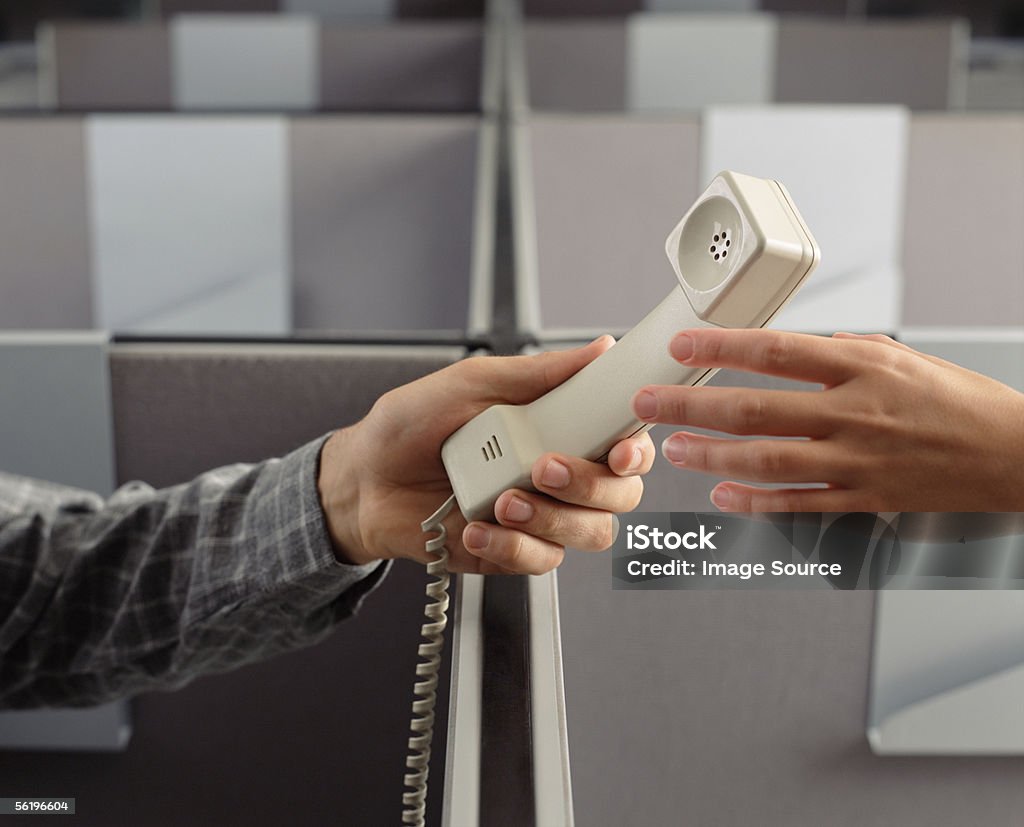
[425,689]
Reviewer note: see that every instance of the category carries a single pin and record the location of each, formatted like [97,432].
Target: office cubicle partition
[313,735]
[253,62]
[965,181]
[246,225]
[675,61]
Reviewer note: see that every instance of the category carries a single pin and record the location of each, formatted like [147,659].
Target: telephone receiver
[740,254]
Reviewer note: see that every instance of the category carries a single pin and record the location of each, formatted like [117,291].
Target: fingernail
[675,449]
[645,405]
[518,510]
[476,537]
[555,475]
[681,347]
[721,498]
[636,460]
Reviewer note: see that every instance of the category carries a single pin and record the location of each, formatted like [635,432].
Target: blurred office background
[227,226]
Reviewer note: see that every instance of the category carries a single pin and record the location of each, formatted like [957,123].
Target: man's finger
[632,457]
[580,482]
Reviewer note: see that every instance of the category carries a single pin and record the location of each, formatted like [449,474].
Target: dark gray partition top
[382,229]
[107,65]
[412,66]
[918,63]
[607,192]
[169,7]
[965,189]
[182,409]
[742,708]
[44,225]
[576,64]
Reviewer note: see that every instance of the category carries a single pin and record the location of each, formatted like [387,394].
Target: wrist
[338,488]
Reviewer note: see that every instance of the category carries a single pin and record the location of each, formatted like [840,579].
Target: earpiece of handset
[740,253]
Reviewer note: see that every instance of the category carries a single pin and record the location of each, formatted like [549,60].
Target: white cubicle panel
[685,62]
[845,168]
[245,62]
[190,224]
[56,425]
[963,249]
[918,63]
[603,193]
[44,228]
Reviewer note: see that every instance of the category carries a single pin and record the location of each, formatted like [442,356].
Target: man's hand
[381,477]
[893,429]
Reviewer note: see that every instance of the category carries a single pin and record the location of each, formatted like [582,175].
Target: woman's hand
[893,429]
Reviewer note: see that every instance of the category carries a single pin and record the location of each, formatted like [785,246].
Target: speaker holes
[718,250]
[492,449]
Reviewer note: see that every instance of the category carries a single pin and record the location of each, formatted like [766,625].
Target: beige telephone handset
[740,253]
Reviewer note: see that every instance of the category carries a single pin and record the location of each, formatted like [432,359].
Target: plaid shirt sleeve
[150,589]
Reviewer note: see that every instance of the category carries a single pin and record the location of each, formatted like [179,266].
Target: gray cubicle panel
[18,76]
[262,62]
[104,65]
[597,197]
[742,708]
[44,225]
[965,184]
[55,424]
[248,225]
[383,221]
[576,65]
[311,737]
[919,63]
[996,79]
[408,66]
